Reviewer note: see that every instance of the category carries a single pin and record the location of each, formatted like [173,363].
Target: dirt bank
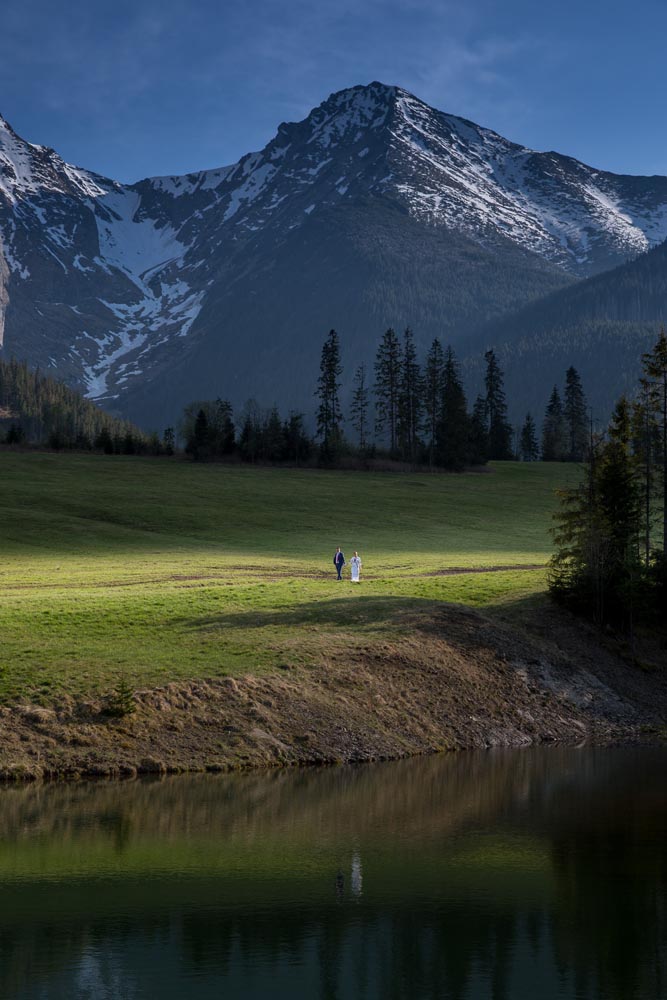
[460,680]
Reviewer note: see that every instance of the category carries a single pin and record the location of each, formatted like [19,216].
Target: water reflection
[536,874]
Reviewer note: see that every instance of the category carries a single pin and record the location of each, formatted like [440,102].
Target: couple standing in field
[355,565]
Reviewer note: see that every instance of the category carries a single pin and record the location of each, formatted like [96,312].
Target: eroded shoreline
[460,680]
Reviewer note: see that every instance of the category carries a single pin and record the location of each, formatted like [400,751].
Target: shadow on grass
[352,612]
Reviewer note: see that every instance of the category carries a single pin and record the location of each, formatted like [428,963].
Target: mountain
[375,210]
[601,325]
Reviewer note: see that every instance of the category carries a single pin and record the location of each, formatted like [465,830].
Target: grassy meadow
[157,570]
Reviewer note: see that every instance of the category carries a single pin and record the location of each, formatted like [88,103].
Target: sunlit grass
[161,570]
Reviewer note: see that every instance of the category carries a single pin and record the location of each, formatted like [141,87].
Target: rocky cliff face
[375,210]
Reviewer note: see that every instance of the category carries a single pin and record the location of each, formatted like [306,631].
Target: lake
[537,874]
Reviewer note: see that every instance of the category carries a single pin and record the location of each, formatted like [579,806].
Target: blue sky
[155,86]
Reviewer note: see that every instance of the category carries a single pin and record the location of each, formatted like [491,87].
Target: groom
[339,562]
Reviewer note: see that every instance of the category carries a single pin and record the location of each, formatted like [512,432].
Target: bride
[355,566]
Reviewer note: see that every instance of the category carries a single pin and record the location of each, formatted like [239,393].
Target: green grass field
[158,570]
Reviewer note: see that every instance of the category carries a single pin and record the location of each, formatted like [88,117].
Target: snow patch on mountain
[143,257]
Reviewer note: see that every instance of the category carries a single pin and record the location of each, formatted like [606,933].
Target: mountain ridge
[127,291]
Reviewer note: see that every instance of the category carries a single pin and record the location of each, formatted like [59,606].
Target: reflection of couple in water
[355,565]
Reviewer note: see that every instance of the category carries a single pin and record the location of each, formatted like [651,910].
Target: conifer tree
[479,433]
[225,432]
[297,442]
[329,413]
[433,389]
[575,416]
[251,427]
[655,375]
[500,432]
[409,399]
[453,438]
[359,407]
[529,449]
[553,430]
[644,442]
[199,444]
[595,568]
[272,436]
[388,386]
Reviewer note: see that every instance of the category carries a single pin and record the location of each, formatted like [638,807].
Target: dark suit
[339,562]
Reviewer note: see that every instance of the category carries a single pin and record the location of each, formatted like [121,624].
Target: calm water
[507,875]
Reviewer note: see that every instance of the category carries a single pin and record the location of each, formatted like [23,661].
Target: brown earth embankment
[461,679]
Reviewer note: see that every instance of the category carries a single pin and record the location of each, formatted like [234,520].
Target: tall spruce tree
[388,386]
[273,441]
[297,444]
[453,436]
[433,388]
[529,448]
[225,432]
[655,376]
[595,568]
[329,413]
[575,415]
[554,440]
[199,444]
[409,400]
[500,431]
[645,448]
[479,433]
[359,408]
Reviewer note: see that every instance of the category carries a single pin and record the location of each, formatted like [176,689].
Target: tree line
[404,410]
[36,409]
[611,531]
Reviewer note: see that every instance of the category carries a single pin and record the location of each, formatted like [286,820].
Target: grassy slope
[159,570]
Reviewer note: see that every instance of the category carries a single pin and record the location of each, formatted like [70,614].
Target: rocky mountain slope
[374,210]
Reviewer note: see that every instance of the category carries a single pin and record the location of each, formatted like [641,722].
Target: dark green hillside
[37,409]
[600,325]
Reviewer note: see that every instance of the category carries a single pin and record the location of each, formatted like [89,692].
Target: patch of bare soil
[460,680]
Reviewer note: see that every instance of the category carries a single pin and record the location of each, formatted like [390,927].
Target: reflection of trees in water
[433,795]
[598,917]
[609,921]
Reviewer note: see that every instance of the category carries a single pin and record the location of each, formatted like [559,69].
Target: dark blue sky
[139,87]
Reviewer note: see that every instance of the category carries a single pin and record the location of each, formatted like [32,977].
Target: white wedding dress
[355,566]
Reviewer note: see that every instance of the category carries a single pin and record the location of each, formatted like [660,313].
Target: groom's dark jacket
[339,559]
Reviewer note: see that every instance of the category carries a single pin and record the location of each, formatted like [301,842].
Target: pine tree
[199,444]
[645,446]
[595,568]
[388,386]
[329,413]
[575,414]
[359,408]
[409,400]
[251,432]
[272,436]
[479,433]
[453,436]
[655,376]
[297,443]
[553,430]
[528,447]
[500,432]
[433,389]
[225,432]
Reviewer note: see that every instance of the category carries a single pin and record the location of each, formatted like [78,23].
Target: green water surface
[536,874]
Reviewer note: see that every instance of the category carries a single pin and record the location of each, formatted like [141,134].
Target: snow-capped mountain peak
[109,283]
